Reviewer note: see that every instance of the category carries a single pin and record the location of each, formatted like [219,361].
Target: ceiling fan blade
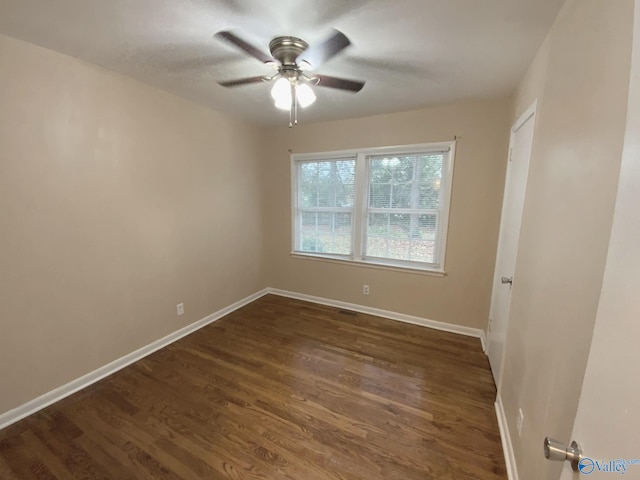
[339,83]
[246,47]
[243,81]
[319,53]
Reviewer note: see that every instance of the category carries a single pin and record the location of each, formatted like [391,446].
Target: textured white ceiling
[412,53]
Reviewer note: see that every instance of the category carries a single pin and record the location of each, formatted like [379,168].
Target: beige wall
[581,79]
[531,86]
[462,297]
[117,202]
[608,415]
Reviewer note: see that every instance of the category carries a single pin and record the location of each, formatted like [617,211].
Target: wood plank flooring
[280,389]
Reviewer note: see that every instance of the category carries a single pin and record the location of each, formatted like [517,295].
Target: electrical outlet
[520,420]
[365,289]
[180,308]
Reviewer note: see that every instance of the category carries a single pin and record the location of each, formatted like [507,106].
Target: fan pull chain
[295,105]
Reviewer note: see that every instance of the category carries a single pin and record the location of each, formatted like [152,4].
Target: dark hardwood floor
[280,389]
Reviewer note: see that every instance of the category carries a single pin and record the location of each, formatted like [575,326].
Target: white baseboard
[72,387]
[483,340]
[507,446]
[400,317]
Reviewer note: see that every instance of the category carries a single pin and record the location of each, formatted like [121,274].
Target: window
[385,206]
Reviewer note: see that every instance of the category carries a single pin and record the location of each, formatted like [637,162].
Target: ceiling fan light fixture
[305,95]
[284,103]
[281,89]
[281,93]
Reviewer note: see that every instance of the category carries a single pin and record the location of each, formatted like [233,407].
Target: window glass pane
[329,183]
[401,195]
[396,236]
[405,181]
[380,195]
[326,233]
[430,177]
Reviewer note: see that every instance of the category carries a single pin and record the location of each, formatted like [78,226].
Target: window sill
[379,266]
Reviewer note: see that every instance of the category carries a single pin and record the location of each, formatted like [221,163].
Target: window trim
[361,202]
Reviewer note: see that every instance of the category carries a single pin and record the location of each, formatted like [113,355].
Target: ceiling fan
[292,57]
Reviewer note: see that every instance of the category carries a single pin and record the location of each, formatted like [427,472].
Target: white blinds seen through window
[326,192]
[403,216]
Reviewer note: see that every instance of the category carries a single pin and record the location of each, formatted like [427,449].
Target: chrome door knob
[556,451]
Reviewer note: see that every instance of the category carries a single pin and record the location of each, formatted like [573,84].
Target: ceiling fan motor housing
[287,49]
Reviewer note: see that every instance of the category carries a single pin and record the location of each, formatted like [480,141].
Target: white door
[512,207]
[607,424]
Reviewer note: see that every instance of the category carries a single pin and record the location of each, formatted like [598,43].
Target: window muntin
[385,206]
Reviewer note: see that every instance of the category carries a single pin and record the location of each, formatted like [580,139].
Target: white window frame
[360,208]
